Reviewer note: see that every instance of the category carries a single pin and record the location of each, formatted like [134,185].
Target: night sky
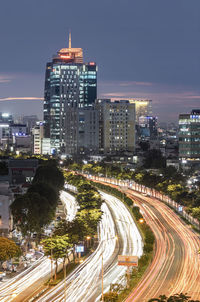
[143,48]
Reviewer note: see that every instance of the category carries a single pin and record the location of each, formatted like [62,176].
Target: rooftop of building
[69,54]
[22,163]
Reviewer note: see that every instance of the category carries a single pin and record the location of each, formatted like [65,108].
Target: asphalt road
[176,265]
[84,284]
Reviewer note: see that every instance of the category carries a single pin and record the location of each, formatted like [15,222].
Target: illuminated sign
[5,114]
[79,248]
[92,63]
[128,260]
[65,57]
[180,208]
[4,125]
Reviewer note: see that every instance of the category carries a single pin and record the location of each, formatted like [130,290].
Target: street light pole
[102,274]
[65,282]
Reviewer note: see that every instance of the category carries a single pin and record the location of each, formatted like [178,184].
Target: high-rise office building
[116,126]
[189,136]
[69,83]
[82,131]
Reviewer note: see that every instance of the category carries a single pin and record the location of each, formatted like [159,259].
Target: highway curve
[84,284]
[176,265]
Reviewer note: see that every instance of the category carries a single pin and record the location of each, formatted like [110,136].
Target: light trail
[70,205]
[176,264]
[26,279]
[84,283]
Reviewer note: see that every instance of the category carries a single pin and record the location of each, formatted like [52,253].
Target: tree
[110,296]
[85,187]
[174,298]
[154,159]
[136,212]
[174,190]
[89,200]
[50,174]
[196,213]
[75,167]
[87,168]
[75,230]
[57,247]
[32,212]
[89,220]
[47,191]
[98,170]
[144,146]
[8,249]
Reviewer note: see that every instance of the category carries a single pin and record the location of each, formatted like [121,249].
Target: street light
[88,241]
[102,295]
[141,220]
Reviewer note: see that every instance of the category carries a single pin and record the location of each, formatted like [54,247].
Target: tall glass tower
[69,83]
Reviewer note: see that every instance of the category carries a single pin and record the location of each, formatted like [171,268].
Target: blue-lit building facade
[69,84]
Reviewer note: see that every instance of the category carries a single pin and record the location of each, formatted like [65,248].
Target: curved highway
[176,265]
[84,284]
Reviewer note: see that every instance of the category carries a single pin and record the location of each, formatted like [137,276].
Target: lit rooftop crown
[71,55]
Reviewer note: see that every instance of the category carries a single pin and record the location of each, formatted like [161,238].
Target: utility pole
[65,282]
[102,276]
[51,261]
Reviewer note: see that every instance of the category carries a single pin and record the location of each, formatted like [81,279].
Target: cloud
[5,78]
[125,83]
[20,98]
[132,83]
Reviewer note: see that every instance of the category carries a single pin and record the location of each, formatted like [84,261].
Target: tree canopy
[51,174]
[35,209]
[174,298]
[8,249]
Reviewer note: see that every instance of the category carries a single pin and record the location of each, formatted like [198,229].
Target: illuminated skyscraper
[69,83]
[142,108]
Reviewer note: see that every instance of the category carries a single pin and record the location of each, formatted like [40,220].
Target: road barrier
[129,184]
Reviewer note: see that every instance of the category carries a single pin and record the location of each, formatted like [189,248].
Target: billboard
[79,248]
[128,260]
[180,208]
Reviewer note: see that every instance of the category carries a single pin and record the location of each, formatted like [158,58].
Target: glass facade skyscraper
[69,83]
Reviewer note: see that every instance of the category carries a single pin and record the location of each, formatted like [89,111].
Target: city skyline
[147,57]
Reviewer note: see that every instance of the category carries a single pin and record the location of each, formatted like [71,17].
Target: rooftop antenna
[70,40]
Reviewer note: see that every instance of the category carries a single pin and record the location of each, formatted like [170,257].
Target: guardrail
[151,193]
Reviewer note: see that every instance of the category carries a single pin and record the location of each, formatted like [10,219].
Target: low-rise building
[38,135]
[22,170]
[5,202]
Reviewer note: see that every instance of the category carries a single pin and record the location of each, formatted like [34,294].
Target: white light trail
[84,283]
[24,280]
